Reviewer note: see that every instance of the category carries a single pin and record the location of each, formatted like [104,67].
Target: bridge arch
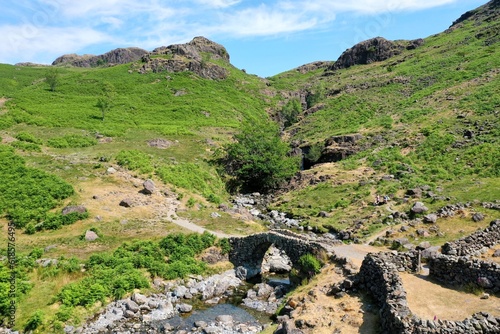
[248,252]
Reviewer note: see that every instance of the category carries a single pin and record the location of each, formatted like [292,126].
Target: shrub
[28,137]
[314,153]
[34,321]
[27,194]
[225,246]
[25,146]
[135,160]
[193,177]
[30,228]
[36,253]
[191,202]
[290,111]
[71,265]
[72,141]
[309,264]
[341,203]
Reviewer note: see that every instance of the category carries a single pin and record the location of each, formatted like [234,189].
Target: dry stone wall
[474,242]
[379,276]
[462,270]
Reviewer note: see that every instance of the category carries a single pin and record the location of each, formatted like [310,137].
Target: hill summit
[193,56]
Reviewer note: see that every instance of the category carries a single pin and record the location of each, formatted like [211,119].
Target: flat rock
[73,208]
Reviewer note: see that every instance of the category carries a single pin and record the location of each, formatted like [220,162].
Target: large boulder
[430,218]
[91,235]
[419,207]
[149,187]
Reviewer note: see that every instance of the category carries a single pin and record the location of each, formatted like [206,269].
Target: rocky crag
[114,57]
[195,56]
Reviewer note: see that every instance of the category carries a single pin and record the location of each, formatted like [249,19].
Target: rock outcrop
[194,56]
[487,12]
[195,49]
[373,50]
[114,57]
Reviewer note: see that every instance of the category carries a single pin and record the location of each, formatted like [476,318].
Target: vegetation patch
[27,194]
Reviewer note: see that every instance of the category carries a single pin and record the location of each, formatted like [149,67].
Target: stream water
[233,306]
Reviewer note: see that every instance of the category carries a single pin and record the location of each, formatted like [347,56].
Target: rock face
[487,12]
[195,49]
[114,57]
[335,148]
[313,66]
[193,56]
[372,50]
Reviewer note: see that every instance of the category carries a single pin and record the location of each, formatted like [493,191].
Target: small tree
[258,159]
[105,100]
[291,111]
[52,78]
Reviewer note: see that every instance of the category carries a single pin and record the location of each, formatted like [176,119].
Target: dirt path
[355,252]
[102,199]
[184,223]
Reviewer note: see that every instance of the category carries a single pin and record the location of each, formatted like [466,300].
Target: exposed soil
[428,300]
[103,199]
[321,313]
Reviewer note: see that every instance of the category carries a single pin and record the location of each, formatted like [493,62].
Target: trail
[184,223]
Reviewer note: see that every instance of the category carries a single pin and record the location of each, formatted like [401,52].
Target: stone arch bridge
[248,252]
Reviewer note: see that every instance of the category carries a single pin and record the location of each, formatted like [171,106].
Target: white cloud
[30,43]
[218,3]
[263,20]
[371,6]
[53,27]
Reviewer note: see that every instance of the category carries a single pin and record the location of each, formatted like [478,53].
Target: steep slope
[422,117]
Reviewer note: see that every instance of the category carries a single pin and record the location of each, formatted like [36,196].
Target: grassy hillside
[428,117]
[56,149]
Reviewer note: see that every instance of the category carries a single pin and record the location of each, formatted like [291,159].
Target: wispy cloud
[44,29]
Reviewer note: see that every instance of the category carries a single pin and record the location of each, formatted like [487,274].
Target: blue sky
[262,37]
